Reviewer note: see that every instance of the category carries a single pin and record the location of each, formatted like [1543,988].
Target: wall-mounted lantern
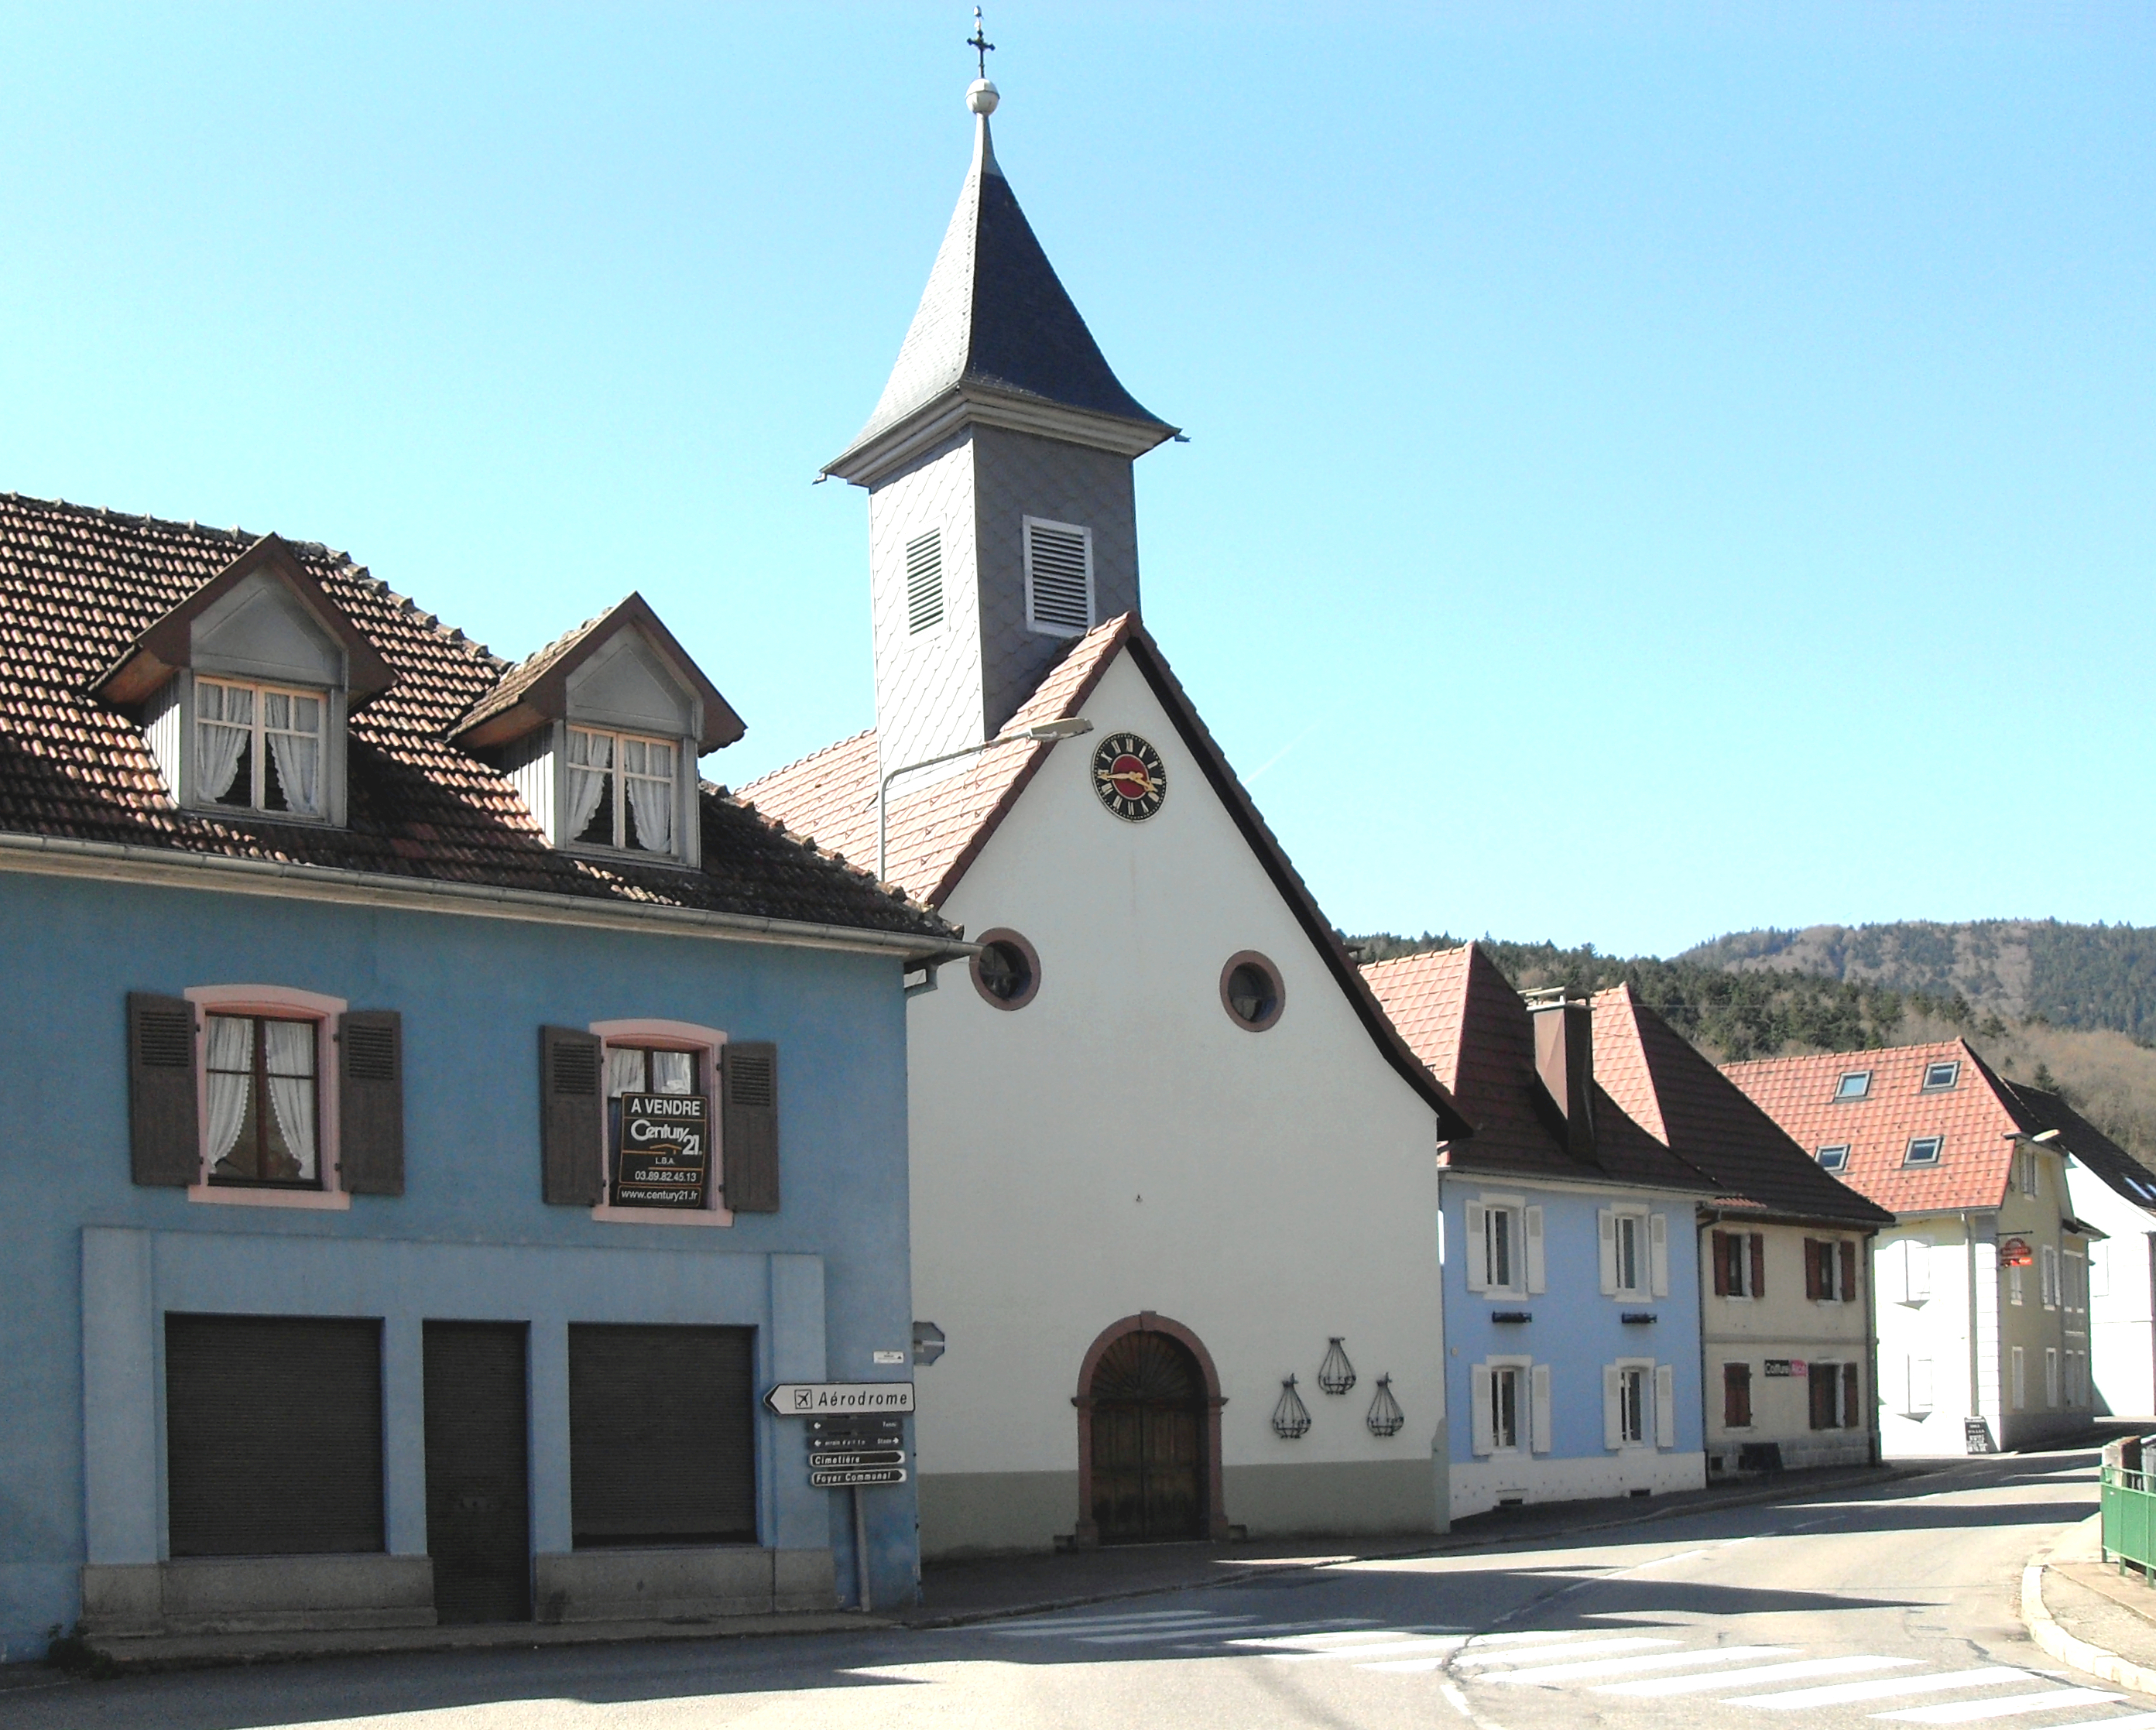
[1291,1417]
[1386,1416]
[1336,1375]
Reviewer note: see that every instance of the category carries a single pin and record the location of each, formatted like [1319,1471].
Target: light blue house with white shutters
[1571,1272]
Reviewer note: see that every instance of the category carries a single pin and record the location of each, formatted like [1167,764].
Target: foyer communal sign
[665,1159]
[819,1399]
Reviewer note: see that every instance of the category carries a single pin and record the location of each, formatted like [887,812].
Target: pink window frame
[655,1033]
[282,1000]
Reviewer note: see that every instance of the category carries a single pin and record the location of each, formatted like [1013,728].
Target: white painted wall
[1920,1273]
[1120,1144]
[2123,1339]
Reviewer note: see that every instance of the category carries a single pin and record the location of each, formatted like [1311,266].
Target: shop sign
[665,1160]
[2014,1252]
[1785,1366]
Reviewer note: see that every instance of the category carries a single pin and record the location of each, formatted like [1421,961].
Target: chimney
[1564,1059]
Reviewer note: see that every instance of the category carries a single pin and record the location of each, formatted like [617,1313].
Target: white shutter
[1481,1408]
[1532,1230]
[1666,1404]
[1478,1247]
[1538,1408]
[2050,1270]
[1920,1386]
[1605,1227]
[1890,1271]
[2099,1270]
[1916,1278]
[2020,1379]
[1658,1252]
[1059,577]
[2050,1375]
[1613,1413]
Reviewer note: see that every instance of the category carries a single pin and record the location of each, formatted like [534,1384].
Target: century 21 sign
[665,1157]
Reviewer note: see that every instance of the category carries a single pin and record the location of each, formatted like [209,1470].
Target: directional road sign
[855,1475]
[821,1459]
[823,1399]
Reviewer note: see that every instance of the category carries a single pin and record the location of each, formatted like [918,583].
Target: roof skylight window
[1833,1159]
[1923,1150]
[1940,1076]
[1855,1084]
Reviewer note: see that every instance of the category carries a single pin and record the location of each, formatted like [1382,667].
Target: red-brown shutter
[572,1115]
[748,1125]
[162,1116]
[1852,1395]
[1758,1264]
[1721,1243]
[1849,1273]
[1812,1272]
[371,1101]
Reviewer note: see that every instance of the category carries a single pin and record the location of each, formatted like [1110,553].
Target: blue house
[434,1117]
[1571,1274]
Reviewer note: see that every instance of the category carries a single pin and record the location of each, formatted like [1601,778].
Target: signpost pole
[861,1548]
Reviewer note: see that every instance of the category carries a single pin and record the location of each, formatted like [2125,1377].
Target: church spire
[996,338]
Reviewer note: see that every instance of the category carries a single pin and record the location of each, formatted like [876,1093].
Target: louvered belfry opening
[1059,577]
[924,581]
[1148,1441]
[273,1427]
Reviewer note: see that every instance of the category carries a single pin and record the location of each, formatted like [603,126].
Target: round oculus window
[1007,971]
[1128,777]
[1251,991]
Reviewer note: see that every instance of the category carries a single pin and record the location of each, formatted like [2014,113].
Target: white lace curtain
[648,776]
[231,1063]
[591,757]
[226,721]
[293,725]
[289,1048]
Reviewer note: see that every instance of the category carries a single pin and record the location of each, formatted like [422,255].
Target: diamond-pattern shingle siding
[78,585]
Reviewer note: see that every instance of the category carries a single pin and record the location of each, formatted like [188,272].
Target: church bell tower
[1002,525]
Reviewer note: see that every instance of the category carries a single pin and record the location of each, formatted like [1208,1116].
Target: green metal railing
[2129,1514]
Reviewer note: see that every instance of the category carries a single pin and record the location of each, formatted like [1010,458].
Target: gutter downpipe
[1871,1331]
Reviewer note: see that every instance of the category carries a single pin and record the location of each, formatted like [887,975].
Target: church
[1175,1199]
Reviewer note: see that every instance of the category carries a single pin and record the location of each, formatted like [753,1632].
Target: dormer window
[259,748]
[600,732]
[243,691]
[623,791]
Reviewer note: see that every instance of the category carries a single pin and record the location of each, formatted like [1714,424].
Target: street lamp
[1049,730]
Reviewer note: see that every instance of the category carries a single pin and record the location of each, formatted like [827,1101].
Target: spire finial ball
[981,96]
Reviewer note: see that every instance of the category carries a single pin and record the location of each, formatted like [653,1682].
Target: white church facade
[1173,1185]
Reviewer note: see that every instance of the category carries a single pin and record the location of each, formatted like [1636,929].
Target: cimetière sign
[666,1155]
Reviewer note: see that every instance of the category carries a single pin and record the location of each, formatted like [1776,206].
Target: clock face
[1128,777]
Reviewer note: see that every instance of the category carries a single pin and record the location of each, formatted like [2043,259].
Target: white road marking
[1070,1630]
[1148,1636]
[1496,1640]
[1849,1693]
[1969,1711]
[1619,1666]
[2131,1721]
[1764,1673]
[1346,1634]
[1521,1654]
[1377,1647]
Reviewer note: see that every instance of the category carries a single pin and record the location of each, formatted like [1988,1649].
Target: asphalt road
[1891,1609]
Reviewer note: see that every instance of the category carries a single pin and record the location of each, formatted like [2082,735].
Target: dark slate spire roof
[995,323]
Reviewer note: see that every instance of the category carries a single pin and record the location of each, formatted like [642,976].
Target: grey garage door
[662,1435]
[273,1427]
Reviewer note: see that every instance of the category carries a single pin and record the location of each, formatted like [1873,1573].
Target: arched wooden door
[1149,1443]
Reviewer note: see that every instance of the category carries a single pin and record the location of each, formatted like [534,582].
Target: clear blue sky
[1653,471]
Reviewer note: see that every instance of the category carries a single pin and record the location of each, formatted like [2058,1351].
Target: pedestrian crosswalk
[1672,1661]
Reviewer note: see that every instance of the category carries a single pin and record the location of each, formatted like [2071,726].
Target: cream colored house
[1174,1192]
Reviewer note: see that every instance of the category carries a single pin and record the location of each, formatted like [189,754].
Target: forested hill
[2086,976]
[1764,1007]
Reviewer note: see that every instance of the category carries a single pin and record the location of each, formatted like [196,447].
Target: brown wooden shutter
[749,1125]
[572,1115]
[1758,1264]
[1812,1272]
[371,1101]
[162,1122]
[1848,1273]
[1852,1395]
[1721,1242]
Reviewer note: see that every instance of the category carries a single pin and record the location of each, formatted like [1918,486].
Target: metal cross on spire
[979,43]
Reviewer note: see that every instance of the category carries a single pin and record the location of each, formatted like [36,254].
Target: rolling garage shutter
[662,1445]
[272,1431]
